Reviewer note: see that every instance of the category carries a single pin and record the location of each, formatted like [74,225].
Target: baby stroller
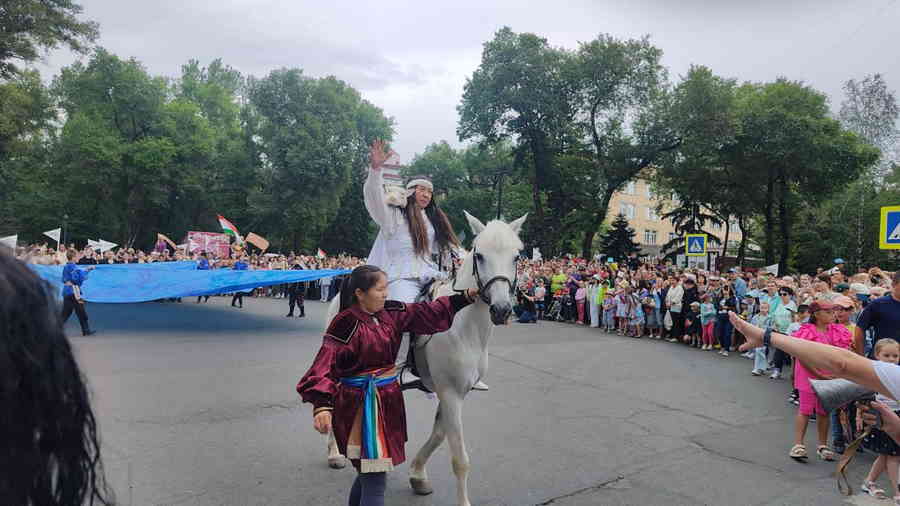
[569,312]
[553,314]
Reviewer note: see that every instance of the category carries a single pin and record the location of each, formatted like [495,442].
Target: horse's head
[491,265]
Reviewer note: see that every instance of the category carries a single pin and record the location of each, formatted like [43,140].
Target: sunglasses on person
[784,293]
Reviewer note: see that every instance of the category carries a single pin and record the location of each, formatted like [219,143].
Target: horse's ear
[476,224]
[516,226]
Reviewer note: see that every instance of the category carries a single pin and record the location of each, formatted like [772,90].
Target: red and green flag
[228,228]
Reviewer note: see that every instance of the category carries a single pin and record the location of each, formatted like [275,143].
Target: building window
[651,214]
[649,236]
[627,210]
[630,188]
[717,226]
[650,192]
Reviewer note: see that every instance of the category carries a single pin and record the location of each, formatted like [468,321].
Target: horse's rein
[483,287]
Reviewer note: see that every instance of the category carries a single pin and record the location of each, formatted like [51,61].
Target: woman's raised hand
[377,155]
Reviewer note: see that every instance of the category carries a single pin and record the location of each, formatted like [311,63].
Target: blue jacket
[72,274]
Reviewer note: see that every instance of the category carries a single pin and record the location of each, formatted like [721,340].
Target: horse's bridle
[483,287]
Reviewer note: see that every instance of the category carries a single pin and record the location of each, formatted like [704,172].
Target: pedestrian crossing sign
[695,245]
[889,237]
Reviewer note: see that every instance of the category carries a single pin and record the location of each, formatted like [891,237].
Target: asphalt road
[196,405]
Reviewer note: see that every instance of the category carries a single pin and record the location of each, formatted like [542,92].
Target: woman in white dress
[416,243]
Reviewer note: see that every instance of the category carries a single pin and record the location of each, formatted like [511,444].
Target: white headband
[419,182]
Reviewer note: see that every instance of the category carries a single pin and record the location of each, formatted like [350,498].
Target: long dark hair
[443,230]
[49,449]
[363,277]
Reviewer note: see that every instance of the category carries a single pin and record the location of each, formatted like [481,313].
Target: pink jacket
[835,335]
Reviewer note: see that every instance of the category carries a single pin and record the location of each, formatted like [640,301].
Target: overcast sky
[411,58]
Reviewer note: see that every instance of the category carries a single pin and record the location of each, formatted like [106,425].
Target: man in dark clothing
[296,291]
[882,315]
[73,278]
[203,265]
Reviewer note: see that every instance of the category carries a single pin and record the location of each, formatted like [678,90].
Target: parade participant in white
[413,231]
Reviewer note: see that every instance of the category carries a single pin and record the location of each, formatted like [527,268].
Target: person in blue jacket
[240,265]
[73,278]
[203,265]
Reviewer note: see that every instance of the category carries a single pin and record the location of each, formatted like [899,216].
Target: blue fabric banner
[126,283]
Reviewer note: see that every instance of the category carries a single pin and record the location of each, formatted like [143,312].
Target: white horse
[451,362]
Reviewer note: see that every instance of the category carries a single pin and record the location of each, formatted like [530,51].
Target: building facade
[638,203]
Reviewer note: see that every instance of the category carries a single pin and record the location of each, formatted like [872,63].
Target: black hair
[49,448]
[803,308]
[789,290]
[443,230]
[363,278]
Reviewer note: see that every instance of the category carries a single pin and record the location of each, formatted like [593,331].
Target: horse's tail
[333,309]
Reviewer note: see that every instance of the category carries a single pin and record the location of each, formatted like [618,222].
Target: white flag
[771,268]
[106,245]
[536,254]
[54,234]
[10,241]
[95,245]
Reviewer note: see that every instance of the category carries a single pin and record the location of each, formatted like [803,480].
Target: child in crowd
[760,356]
[636,323]
[540,294]
[886,350]
[692,325]
[707,321]
[800,318]
[609,310]
[622,307]
[651,315]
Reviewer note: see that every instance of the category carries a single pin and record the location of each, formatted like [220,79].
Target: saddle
[427,294]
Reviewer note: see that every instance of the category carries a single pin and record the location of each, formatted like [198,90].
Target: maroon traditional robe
[357,342]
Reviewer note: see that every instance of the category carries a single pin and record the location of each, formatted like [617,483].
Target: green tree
[790,146]
[132,158]
[621,90]
[312,135]
[618,242]
[29,26]
[523,91]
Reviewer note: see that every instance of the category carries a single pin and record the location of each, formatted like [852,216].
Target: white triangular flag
[95,245]
[54,234]
[10,241]
[106,245]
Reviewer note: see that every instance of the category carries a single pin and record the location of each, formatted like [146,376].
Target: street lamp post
[65,229]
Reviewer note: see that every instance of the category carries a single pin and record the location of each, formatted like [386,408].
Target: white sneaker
[724,353]
[757,372]
[776,375]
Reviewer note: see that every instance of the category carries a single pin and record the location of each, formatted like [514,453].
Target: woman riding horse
[352,383]
[416,243]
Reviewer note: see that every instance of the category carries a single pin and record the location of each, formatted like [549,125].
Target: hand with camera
[881,417]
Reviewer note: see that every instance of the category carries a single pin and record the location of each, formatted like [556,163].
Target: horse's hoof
[420,486]
[337,462]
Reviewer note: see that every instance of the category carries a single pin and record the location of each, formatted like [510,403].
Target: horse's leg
[418,476]
[335,459]
[451,417]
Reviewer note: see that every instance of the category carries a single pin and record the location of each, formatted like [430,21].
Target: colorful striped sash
[367,441]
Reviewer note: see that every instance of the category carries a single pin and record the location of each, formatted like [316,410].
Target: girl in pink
[822,329]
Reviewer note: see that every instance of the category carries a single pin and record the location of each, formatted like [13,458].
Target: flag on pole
[106,245]
[54,234]
[320,253]
[164,238]
[228,228]
[258,241]
[10,241]
[94,244]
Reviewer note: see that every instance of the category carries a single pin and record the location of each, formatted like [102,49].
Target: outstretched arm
[817,356]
